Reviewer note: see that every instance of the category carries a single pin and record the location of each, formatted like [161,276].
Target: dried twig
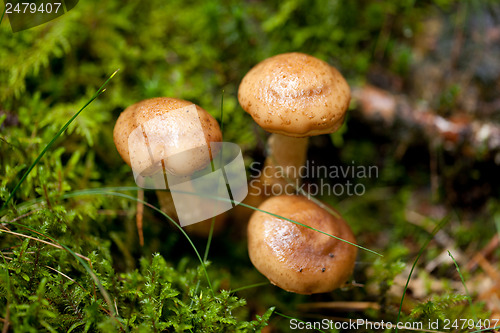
[41,241]
[340,306]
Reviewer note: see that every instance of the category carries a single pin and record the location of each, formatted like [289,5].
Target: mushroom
[293,96]
[174,141]
[168,135]
[296,258]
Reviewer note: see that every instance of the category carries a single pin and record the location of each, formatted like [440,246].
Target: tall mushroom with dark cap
[173,142]
[296,258]
[293,96]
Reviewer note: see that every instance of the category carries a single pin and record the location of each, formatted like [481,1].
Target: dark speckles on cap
[298,87]
[145,110]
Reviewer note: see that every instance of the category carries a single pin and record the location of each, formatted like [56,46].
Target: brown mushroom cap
[295,258]
[295,94]
[176,126]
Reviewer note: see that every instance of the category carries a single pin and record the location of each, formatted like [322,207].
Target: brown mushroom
[172,138]
[293,96]
[169,135]
[296,258]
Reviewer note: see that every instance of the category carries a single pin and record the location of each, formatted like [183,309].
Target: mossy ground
[71,260]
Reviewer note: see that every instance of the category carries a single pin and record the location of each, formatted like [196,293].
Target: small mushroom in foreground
[293,96]
[295,258]
[172,140]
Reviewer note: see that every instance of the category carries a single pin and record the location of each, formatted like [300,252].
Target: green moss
[195,50]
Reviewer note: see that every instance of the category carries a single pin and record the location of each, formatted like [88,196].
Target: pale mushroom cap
[295,258]
[172,138]
[295,94]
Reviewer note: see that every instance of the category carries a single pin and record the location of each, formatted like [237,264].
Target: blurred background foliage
[199,50]
[190,50]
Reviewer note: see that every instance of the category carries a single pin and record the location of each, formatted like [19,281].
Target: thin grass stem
[465,286]
[436,229]
[58,134]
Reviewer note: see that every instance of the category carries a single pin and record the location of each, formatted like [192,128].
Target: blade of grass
[3,13]
[105,191]
[308,227]
[129,188]
[102,192]
[47,147]
[8,296]
[67,277]
[250,286]
[110,191]
[304,193]
[211,232]
[38,240]
[486,329]
[288,317]
[436,229]
[465,286]
[132,188]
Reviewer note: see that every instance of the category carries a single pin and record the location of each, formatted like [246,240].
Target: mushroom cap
[173,139]
[295,94]
[295,258]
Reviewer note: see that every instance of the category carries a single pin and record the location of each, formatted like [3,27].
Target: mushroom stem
[202,228]
[286,157]
[167,203]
